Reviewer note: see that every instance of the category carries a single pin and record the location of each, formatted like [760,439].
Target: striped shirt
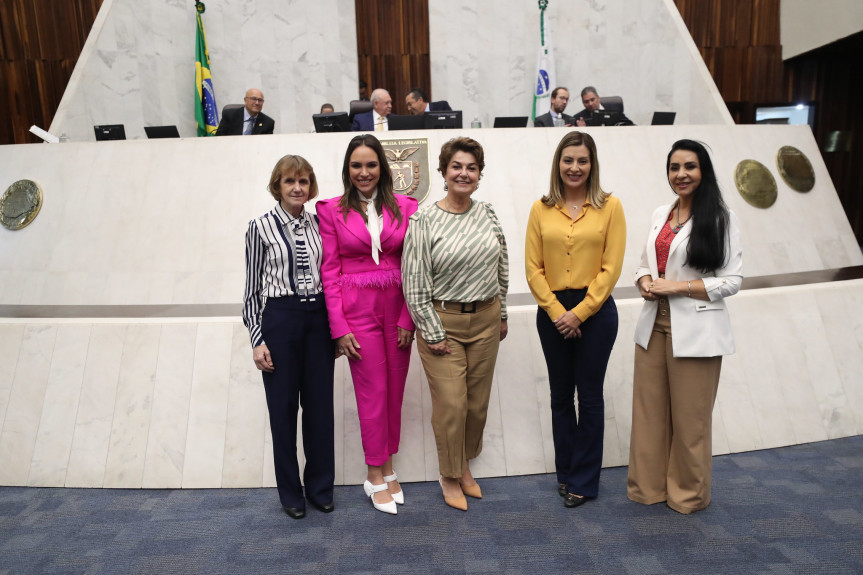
[453,257]
[283,258]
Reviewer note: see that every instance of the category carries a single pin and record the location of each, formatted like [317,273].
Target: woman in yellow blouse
[576,236]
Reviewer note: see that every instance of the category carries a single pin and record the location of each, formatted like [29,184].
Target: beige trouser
[670,450]
[460,382]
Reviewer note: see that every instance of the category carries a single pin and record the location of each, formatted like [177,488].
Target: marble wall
[803,29]
[137,66]
[483,57]
[162,222]
[179,404]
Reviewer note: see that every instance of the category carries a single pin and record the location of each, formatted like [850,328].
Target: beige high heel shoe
[454,502]
[471,490]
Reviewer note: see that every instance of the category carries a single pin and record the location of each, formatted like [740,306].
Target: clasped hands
[651,289]
[568,325]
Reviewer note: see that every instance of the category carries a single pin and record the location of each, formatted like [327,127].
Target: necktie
[379,127]
[250,123]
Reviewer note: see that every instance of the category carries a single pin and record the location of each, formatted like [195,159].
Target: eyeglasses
[256,100]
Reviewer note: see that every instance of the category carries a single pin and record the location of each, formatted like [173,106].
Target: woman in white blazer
[691,262]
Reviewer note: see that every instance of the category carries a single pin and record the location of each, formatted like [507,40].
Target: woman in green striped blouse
[455,274]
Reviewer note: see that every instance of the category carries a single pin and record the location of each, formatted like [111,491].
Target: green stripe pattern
[452,257]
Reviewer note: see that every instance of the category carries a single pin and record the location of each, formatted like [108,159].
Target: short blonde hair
[289,165]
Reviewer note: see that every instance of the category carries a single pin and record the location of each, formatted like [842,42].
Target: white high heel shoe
[397,497]
[389,507]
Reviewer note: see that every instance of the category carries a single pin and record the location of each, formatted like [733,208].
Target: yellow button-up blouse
[562,253]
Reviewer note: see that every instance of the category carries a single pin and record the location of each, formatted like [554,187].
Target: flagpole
[543,61]
[543,4]
[206,112]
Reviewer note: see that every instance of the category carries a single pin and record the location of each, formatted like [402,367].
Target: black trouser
[297,333]
[578,365]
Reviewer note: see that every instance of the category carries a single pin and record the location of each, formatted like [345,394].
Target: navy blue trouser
[297,333]
[578,365]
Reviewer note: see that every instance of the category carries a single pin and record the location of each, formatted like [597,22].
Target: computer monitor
[332,122]
[663,118]
[107,132]
[603,118]
[406,122]
[510,122]
[443,120]
[162,132]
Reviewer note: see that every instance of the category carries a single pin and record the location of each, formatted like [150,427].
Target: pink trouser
[379,377]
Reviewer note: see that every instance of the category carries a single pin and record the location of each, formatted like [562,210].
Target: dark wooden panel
[739,41]
[393,46]
[765,22]
[828,77]
[10,26]
[40,42]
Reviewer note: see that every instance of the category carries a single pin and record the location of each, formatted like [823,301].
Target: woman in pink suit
[363,232]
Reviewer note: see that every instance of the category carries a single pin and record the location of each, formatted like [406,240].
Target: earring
[477,187]
[445,187]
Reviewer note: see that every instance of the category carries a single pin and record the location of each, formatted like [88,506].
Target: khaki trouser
[460,382]
[670,451]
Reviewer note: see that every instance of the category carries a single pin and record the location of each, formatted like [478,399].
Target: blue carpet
[790,510]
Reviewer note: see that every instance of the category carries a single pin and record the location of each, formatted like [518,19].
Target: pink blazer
[348,257]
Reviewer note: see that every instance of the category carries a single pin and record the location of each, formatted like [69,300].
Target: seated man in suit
[376,120]
[248,120]
[559,100]
[418,104]
[590,99]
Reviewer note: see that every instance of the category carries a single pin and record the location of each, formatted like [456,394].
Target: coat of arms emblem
[409,164]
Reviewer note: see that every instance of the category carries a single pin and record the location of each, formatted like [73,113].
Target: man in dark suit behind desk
[418,104]
[376,120]
[559,100]
[248,120]
[591,101]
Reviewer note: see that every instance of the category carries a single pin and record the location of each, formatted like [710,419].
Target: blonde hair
[595,195]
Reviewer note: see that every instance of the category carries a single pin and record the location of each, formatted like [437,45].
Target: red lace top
[663,244]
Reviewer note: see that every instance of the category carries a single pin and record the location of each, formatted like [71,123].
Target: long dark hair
[350,200]
[707,250]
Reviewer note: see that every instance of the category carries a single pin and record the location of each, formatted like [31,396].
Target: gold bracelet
[689,289]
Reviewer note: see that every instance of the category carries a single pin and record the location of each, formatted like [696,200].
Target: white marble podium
[103,384]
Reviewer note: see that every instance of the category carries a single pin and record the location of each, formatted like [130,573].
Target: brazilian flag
[206,113]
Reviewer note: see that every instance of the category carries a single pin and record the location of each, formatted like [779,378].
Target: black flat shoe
[294,512]
[571,500]
[323,507]
[561,489]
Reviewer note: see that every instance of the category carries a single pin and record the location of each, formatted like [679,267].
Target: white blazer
[699,328]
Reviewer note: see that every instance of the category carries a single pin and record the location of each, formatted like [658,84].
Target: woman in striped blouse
[456,274]
[287,320]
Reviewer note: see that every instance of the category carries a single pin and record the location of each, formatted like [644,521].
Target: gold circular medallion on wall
[755,183]
[20,204]
[795,168]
